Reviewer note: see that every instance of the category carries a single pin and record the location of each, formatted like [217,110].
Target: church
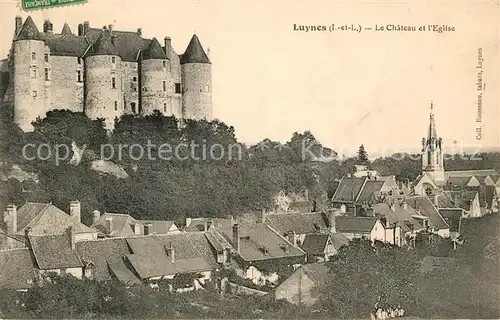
[477,189]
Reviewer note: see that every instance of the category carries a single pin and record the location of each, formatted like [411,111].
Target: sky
[348,88]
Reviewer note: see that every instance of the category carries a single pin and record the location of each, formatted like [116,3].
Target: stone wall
[65,90]
[130,84]
[197,90]
[154,75]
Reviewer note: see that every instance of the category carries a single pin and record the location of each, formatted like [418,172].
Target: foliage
[362,155]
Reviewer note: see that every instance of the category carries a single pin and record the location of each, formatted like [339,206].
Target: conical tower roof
[432,132]
[194,52]
[154,51]
[104,45]
[29,31]
[66,30]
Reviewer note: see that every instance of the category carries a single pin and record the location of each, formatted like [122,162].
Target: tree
[362,155]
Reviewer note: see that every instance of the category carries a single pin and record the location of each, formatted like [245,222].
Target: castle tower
[103,91]
[29,74]
[156,80]
[432,152]
[196,73]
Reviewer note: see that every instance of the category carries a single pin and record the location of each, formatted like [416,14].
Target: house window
[132,107]
[46,57]
[33,56]
[164,85]
[47,74]
[113,82]
[164,107]
[33,72]
[34,93]
[79,60]
[116,105]
[177,88]
[146,230]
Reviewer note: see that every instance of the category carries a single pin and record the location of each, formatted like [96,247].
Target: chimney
[236,237]
[147,229]
[292,237]
[19,24]
[26,237]
[72,239]
[261,218]
[209,224]
[110,27]
[10,218]
[137,228]
[86,27]
[80,30]
[171,252]
[231,219]
[188,222]
[47,26]
[168,45]
[139,31]
[333,226]
[306,194]
[75,210]
[109,224]
[343,208]
[205,225]
[96,215]
[113,39]
[436,201]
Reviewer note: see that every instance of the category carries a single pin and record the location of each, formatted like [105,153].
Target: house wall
[475,208]
[389,236]
[259,277]
[297,289]
[351,236]
[445,233]
[76,272]
[378,232]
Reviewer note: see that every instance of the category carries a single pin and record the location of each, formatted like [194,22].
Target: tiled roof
[128,44]
[154,51]
[470,173]
[371,188]
[120,224]
[300,206]
[54,252]
[458,181]
[348,189]
[354,224]
[338,240]
[218,242]
[66,30]
[188,246]
[259,242]
[104,45]
[423,205]
[194,52]
[198,224]
[301,223]
[148,266]
[401,216]
[9,242]
[317,272]
[47,219]
[315,243]
[66,45]
[452,217]
[29,31]
[159,226]
[16,269]
[106,253]
[463,199]
[494,177]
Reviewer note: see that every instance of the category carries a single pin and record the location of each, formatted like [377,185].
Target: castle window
[47,74]
[177,88]
[116,105]
[79,60]
[34,93]
[113,82]
[79,76]
[33,72]
[33,56]
[134,79]
[207,88]
[164,85]
[46,57]
[132,107]
[164,107]
[113,59]
[164,64]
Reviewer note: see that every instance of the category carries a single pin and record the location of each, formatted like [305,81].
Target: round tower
[29,75]
[196,73]
[103,94]
[156,80]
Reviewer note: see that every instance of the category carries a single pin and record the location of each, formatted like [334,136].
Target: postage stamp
[29,5]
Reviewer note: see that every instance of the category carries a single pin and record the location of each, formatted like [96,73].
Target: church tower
[432,152]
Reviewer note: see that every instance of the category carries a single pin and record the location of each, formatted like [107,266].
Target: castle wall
[65,90]
[29,88]
[130,87]
[176,99]
[197,91]
[102,100]
[153,77]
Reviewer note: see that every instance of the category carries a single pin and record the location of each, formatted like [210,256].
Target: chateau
[105,73]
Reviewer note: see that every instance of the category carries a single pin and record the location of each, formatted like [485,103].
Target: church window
[428,191]
[46,57]
[33,56]
[164,85]
[113,82]
[33,72]
[177,88]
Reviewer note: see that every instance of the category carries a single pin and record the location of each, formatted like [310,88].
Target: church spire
[432,132]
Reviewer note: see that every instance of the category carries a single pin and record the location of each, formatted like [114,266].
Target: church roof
[104,45]
[29,31]
[432,132]
[154,51]
[66,30]
[194,52]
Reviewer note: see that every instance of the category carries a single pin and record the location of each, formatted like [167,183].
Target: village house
[370,228]
[428,215]
[321,247]
[360,171]
[302,286]
[45,219]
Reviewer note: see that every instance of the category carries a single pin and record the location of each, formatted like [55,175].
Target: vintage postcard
[249,159]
